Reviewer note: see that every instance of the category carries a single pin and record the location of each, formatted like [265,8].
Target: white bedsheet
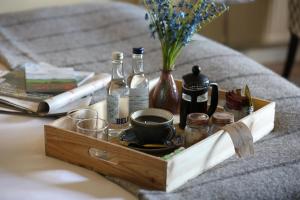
[27,173]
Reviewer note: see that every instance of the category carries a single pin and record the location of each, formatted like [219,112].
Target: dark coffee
[150,119]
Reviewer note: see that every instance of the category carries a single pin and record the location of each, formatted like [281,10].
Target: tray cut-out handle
[102,155]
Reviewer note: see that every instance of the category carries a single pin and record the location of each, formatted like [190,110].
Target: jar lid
[117,55]
[195,80]
[222,118]
[197,119]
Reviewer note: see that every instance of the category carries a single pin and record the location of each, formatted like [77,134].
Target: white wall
[277,29]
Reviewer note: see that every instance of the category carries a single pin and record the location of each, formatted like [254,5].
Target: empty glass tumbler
[97,128]
[77,115]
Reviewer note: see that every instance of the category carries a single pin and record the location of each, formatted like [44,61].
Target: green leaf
[248,95]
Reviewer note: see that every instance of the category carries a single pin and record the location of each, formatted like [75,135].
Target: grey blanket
[84,36]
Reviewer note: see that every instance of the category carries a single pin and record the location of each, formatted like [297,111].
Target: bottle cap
[197,119]
[117,55]
[222,118]
[138,50]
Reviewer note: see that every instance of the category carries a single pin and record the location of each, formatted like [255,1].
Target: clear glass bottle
[220,119]
[138,83]
[117,94]
[196,128]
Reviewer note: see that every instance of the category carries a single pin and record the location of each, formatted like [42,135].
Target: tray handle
[103,156]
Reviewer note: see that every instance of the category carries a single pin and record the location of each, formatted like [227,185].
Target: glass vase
[165,95]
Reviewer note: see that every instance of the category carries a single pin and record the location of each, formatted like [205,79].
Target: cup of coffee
[149,126]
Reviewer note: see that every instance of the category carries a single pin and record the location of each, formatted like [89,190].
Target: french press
[195,95]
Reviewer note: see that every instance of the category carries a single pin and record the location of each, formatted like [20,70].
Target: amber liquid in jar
[196,128]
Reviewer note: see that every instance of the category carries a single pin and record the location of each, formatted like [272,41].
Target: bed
[83,36]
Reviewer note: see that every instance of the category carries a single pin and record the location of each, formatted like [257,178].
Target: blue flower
[175,23]
[181,14]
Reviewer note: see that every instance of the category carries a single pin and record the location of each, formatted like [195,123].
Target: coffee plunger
[195,95]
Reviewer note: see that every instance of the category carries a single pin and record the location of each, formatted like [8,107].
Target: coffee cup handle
[171,131]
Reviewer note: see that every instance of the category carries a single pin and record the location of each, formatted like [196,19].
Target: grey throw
[84,36]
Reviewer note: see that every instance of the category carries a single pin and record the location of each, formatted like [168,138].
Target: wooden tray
[146,170]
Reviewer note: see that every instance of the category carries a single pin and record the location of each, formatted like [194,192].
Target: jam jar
[237,104]
[220,119]
[196,129]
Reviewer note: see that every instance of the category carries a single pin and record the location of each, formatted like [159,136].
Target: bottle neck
[117,69]
[137,64]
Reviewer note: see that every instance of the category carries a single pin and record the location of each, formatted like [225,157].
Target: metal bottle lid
[117,55]
[222,118]
[197,119]
[138,50]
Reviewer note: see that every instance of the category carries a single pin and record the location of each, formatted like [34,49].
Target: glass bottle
[138,83]
[196,128]
[220,119]
[117,94]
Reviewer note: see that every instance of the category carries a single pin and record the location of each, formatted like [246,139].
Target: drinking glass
[113,136]
[97,128]
[77,115]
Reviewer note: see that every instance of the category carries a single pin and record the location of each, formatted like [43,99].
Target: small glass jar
[220,119]
[239,113]
[237,104]
[196,128]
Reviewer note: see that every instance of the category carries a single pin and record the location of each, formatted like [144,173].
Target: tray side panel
[115,160]
[215,149]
